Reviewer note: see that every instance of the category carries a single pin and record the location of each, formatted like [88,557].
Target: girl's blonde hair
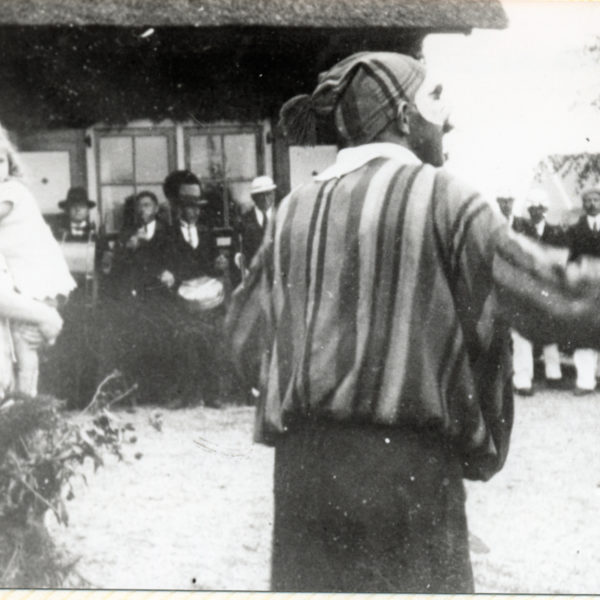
[15,167]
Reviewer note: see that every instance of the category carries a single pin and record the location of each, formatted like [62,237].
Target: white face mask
[431,105]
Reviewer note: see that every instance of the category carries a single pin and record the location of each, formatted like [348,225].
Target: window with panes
[226,159]
[130,161]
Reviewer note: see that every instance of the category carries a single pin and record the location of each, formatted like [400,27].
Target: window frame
[166,131]
[221,130]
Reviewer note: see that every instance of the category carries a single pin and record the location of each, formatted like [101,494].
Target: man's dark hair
[147,194]
[175,179]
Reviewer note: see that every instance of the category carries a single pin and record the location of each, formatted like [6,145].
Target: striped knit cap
[363,92]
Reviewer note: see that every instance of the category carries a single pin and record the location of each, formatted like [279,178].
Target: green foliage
[41,455]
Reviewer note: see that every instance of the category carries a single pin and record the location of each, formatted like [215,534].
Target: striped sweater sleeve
[544,297]
[538,292]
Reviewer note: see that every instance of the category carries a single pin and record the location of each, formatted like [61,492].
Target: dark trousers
[368,509]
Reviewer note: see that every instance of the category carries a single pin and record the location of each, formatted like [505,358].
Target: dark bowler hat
[76,195]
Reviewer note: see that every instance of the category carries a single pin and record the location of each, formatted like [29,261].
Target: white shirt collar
[540,227]
[350,159]
[260,215]
[147,231]
[591,220]
[190,233]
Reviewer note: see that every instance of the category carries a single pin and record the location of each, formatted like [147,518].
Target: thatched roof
[440,15]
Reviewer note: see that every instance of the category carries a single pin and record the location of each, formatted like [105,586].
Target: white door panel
[48,176]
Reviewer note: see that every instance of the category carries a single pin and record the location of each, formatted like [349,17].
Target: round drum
[202,293]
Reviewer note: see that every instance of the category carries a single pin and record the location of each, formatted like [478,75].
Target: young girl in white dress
[33,259]
[43,321]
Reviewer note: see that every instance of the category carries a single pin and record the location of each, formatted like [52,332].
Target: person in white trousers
[536,228]
[584,240]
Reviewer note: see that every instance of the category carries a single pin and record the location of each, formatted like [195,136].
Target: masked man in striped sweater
[383,293]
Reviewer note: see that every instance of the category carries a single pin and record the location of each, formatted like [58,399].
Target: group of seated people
[581,238]
[164,284]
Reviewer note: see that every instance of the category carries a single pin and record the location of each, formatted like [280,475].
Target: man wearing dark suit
[536,228]
[192,254]
[138,309]
[506,205]
[192,251]
[254,222]
[584,240]
[141,263]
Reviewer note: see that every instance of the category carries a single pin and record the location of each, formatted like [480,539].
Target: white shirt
[146,232]
[78,228]
[350,159]
[260,216]
[594,221]
[539,227]
[190,233]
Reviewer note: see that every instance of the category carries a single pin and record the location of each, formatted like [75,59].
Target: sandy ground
[195,512]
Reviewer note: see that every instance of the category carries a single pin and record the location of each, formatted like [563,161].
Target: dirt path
[196,511]
[193,513]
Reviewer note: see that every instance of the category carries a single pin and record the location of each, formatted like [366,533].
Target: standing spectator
[33,258]
[254,222]
[385,368]
[538,229]
[584,240]
[506,205]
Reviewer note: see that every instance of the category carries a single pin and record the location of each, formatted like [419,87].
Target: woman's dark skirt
[368,509]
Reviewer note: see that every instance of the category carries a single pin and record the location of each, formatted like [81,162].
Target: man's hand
[167,278]
[133,242]
[106,262]
[238,260]
[221,263]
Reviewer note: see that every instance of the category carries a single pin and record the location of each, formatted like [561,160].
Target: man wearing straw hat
[254,222]
[385,375]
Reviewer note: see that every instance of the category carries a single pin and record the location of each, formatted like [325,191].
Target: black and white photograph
[300,295]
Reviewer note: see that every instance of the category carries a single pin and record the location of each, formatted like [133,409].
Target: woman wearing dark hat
[76,225]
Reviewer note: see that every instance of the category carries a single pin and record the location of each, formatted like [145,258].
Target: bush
[41,452]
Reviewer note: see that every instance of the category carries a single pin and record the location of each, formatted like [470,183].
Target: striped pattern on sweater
[384,296]
[376,305]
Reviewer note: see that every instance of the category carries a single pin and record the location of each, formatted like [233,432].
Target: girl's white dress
[34,258]
[7,367]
